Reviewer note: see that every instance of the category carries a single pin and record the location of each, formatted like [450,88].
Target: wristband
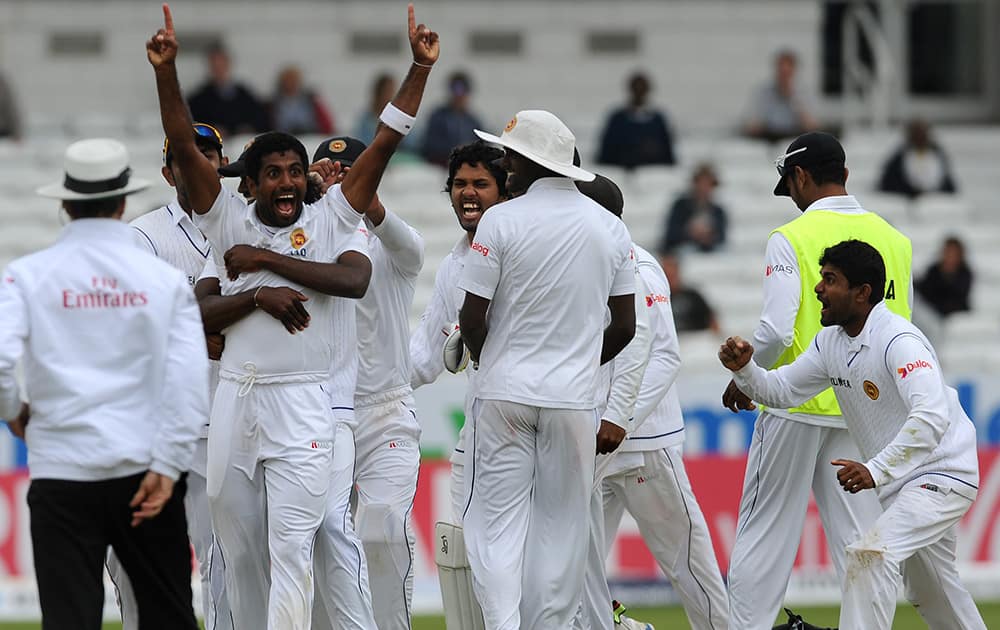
[422,65]
[396,119]
[255,305]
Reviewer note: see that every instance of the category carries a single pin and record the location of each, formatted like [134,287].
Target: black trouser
[72,525]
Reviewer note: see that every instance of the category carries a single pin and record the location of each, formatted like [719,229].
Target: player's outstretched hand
[162,47]
[216,343]
[734,400]
[853,476]
[424,42]
[327,173]
[244,259]
[20,423]
[735,353]
[152,495]
[285,305]
[609,437]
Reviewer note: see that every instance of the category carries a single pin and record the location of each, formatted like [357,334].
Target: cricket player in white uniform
[918,447]
[271,443]
[646,474]
[544,265]
[169,234]
[790,448]
[385,427]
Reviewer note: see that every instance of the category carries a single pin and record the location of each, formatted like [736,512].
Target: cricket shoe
[795,622]
[623,622]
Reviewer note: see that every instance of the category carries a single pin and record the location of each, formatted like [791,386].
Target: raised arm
[363,179]
[785,387]
[200,176]
[404,244]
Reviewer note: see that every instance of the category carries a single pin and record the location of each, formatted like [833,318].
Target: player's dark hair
[860,263]
[92,208]
[475,153]
[832,172]
[202,142]
[268,143]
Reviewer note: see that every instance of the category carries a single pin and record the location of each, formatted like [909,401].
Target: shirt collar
[552,183]
[864,337]
[177,214]
[98,230]
[838,203]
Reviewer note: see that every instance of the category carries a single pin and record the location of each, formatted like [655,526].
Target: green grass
[673,618]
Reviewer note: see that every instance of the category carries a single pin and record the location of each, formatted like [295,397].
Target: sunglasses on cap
[779,163]
[200,129]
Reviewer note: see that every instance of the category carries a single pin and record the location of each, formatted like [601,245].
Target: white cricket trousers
[387,439]
[211,567]
[659,497]
[915,534]
[530,476]
[270,463]
[344,600]
[787,459]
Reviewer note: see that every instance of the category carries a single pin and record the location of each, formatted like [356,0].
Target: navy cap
[815,148]
[341,148]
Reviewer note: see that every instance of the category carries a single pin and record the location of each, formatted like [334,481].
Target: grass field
[673,618]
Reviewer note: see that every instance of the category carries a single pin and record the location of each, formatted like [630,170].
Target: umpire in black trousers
[116,371]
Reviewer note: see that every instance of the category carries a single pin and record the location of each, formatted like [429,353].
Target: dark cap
[341,148]
[809,150]
[605,192]
[239,167]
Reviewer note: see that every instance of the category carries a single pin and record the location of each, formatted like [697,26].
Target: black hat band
[104,185]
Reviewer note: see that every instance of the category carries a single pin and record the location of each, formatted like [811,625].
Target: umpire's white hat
[95,169]
[542,138]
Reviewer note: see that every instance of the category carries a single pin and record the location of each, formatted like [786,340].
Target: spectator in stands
[947,283]
[297,110]
[227,105]
[382,90]
[691,311]
[780,109]
[637,134]
[918,166]
[10,115]
[451,124]
[695,218]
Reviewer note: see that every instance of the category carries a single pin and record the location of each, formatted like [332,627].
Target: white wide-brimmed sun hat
[95,169]
[542,138]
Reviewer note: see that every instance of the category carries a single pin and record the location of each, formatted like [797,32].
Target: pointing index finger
[168,19]
[411,19]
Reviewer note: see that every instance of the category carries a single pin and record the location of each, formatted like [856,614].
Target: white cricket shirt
[260,344]
[441,313]
[169,234]
[397,254]
[548,261]
[659,422]
[782,296]
[111,342]
[621,377]
[906,421]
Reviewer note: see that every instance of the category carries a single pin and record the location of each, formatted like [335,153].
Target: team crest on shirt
[337,146]
[510,126]
[871,389]
[298,238]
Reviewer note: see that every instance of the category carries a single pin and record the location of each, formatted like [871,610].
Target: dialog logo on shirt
[320,444]
[910,367]
[871,389]
[482,249]
[655,298]
[779,268]
[298,238]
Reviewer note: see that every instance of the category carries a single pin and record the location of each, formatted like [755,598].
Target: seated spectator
[780,109]
[691,311]
[919,166]
[637,134]
[383,89]
[10,114]
[947,283]
[227,105]
[451,124]
[296,110]
[695,218]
